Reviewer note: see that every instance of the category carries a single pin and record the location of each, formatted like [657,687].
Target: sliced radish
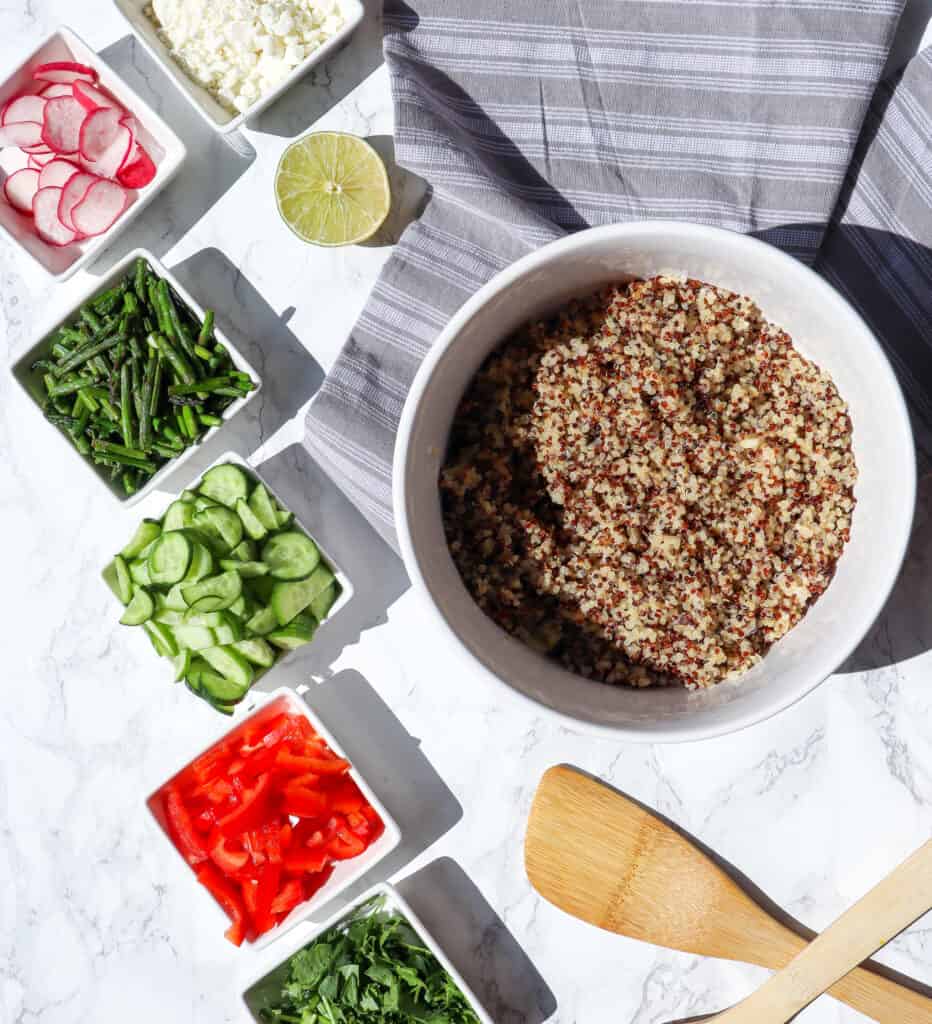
[98,210]
[66,71]
[25,133]
[74,191]
[24,108]
[56,89]
[61,129]
[39,149]
[20,188]
[139,172]
[92,98]
[39,160]
[56,173]
[45,211]
[105,144]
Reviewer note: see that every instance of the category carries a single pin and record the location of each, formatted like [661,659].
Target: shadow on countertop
[478,943]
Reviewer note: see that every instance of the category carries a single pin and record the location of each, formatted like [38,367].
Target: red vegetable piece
[266,891]
[181,828]
[347,797]
[61,126]
[229,898]
[139,172]
[64,71]
[45,214]
[20,189]
[303,802]
[224,855]
[56,174]
[92,98]
[104,142]
[289,896]
[305,861]
[102,204]
[55,89]
[23,134]
[251,810]
[73,191]
[210,764]
[343,844]
[27,107]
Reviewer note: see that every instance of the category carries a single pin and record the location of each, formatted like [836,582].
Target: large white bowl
[823,326]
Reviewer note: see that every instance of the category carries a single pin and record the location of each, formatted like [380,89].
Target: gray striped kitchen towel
[530,119]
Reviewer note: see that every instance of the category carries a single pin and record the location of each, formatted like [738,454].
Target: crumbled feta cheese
[240,49]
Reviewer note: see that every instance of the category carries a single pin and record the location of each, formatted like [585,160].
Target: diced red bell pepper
[206,820]
[344,844]
[347,798]
[288,897]
[359,824]
[229,898]
[209,765]
[293,764]
[225,855]
[266,890]
[303,802]
[181,827]
[251,811]
[326,765]
[307,834]
[306,860]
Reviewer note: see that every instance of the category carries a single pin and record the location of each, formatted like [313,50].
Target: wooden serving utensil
[604,859]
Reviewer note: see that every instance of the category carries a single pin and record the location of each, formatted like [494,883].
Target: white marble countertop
[100,923]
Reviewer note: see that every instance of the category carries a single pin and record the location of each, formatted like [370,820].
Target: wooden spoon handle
[885,911]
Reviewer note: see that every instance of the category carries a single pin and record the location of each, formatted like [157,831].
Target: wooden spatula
[606,860]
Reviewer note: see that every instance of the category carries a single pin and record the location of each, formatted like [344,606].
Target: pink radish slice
[105,145]
[38,150]
[139,172]
[25,133]
[65,71]
[72,194]
[91,98]
[98,210]
[56,173]
[45,211]
[20,188]
[56,89]
[61,129]
[24,108]
[39,160]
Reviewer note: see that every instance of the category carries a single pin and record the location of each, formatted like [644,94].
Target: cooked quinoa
[652,486]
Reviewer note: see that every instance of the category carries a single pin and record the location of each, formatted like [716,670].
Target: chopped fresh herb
[370,969]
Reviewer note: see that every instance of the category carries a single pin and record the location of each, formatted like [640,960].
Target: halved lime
[332,189]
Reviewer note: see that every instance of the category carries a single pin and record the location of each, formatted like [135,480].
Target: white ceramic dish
[345,872]
[164,146]
[267,987]
[824,327]
[32,384]
[211,111]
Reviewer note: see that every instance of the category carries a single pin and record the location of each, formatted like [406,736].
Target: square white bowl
[163,145]
[345,872]
[31,382]
[267,985]
[213,113]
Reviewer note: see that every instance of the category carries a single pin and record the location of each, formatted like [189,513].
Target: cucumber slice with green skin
[282,516]
[231,665]
[202,501]
[143,555]
[214,593]
[257,651]
[262,507]
[169,559]
[188,496]
[162,638]
[202,563]
[238,608]
[251,522]
[208,619]
[173,599]
[226,484]
[146,532]
[247,569]
[194,638]
[180,514]
[213,685]
[124,582]
[291,555]
[139,610]
[297,633]
[321,605]
[260,588]
[226,627]
[221,525]
[226,634]
[262,622]
[182,664]
[167,616]
[245,551]
[139,573]
[290,598]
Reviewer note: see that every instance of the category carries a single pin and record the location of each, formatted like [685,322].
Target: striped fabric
[531,119]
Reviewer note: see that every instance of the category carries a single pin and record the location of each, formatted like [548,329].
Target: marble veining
[100,921]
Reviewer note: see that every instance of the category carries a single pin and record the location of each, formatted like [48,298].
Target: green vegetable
[372,968]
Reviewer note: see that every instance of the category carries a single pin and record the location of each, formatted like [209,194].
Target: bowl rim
[682,731]
[175,156]
[96,285]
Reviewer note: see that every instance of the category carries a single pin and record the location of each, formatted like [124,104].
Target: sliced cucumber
[288,599]
[173,599]
[202,501]
[291,555]
[169,559]
[214,685]
[262,507]
[139,572]
[282,517]
[257,651]
[209,619]
[227,634]
[124,581]
[162,638]
[202,562]
[260,588]
[182,664]
[139,610]
[297,633]
[262,622]
[226,484]
[194,638]
[179,515]
[188,496]
[247,569]
[238,607]
[230,664]
[222,525]
[321,605]
[214,593]
[147,531]
[167,616]
[245,551]
[251,522]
